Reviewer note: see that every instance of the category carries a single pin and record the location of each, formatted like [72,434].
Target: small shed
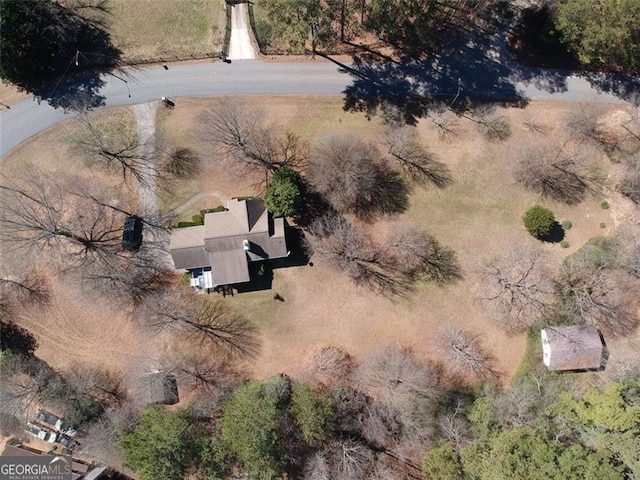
[159,387]
[574,347]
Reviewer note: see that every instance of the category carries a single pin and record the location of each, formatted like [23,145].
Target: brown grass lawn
[152,28]
[478,216]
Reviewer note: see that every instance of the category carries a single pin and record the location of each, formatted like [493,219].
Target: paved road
[28,118]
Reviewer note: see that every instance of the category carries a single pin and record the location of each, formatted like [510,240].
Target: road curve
[243,77]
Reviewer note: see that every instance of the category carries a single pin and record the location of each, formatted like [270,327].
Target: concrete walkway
[240,45]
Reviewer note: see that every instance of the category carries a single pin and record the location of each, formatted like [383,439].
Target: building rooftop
[574,347]
[245,232]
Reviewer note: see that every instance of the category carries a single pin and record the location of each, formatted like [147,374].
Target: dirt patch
[10,95]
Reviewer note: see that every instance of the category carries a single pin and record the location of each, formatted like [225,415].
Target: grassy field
[152,28]
[478,216]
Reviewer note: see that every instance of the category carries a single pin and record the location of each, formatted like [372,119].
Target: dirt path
[240,45]
[224,199]
[146,118]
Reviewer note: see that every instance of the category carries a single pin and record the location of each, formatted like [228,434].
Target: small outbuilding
[574,347]
[159,387]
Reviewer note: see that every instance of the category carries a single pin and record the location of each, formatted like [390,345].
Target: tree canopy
[44,44]
[158,447]
[284,193]
[604,33]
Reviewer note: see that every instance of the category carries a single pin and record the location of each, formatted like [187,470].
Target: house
[222,248]
[574,347]
[80,469]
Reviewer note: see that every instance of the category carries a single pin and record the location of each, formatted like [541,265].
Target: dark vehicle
[168,103]
[132,234]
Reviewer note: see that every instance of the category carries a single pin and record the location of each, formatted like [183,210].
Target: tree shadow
[298,255]
[312,207]
[57,54]
[473,66]
[17,339]
[440,265]
[389,196]
[555,236]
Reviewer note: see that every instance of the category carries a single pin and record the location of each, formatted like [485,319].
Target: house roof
[219,243]
[574,347]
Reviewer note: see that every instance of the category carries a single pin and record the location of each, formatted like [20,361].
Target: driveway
[240,45]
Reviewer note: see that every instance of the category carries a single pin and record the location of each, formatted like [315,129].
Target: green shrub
[197,220]
[212,210]
[604,205]
[566,224]
[603,225]
[539,221]
[284,194]
[187,224]
[564,244]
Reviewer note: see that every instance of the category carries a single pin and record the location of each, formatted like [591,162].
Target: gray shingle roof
[219,243]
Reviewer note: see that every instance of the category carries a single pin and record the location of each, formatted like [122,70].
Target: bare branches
[462,352]
[517,288]
[351,251]
[394,373]
[418,255]
[329,365]
[555,173]
[114,146]
[604,297]
[352,176]
[201,320]
[416,161]
[239,132]
[36,213]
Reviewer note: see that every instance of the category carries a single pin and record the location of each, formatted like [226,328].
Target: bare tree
[20,392]
[630,184]
[517,288]
[351,460]
[604,297]
[36,213]
[353,176]
[494,128]
[462,352]
[394,372]
[582,122]
[418,255]
[113,145]
[417,163]
[555,172]
[454,425]
[98,382]
[443,118]
[240,132]
[203,320]
[100,440]
[317,467]
[347,248]
[329,365]
[210,372]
